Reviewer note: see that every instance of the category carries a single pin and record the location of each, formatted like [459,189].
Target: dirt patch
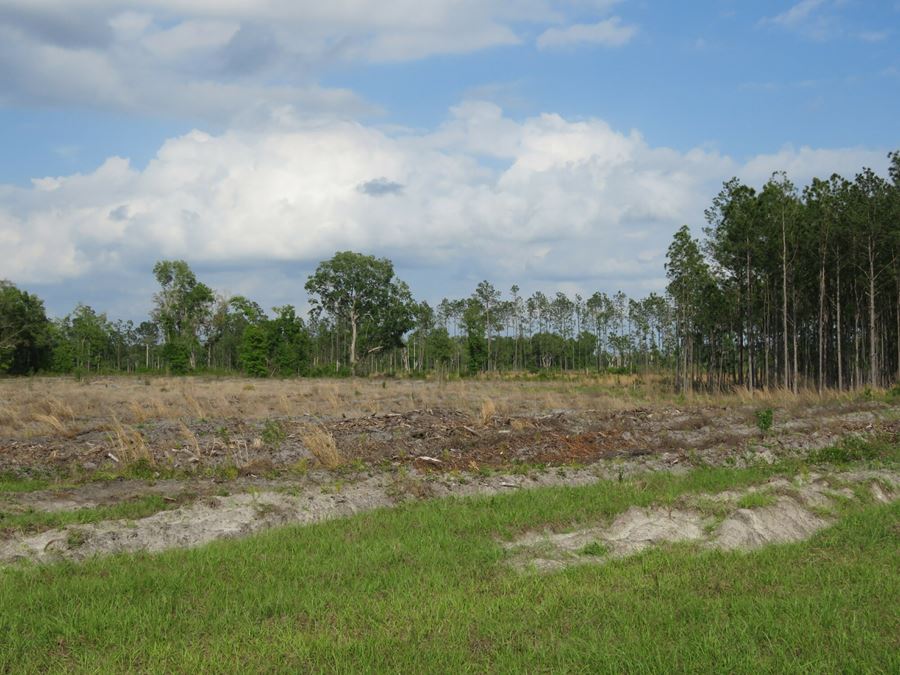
[457,439]
[272,503]
[788,518]
[207,520]
[387,457]
[784,522]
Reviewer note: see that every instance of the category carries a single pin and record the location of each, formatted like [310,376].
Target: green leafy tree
[361,292]
[288,342]
[183,305]
[254,351]
[25,332]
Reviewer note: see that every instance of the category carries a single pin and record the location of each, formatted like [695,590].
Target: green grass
[36,521]
[756,500]
[856,449]
[424,588]
[10,482]
[595,548]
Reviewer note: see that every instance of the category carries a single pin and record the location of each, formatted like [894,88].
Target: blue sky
[556,145]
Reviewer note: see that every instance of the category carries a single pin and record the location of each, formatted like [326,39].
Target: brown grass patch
[129,443]
[319,441]
[51,421]
[488,410]
[190,438]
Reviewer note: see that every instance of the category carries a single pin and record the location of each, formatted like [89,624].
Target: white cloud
[607,33]
[873,35]
[797,13]
[558,201]
[804,163]
[823,20]
[214,59]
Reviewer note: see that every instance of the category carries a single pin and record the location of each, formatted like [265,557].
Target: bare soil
[235,461]
[448,439]
[799,508]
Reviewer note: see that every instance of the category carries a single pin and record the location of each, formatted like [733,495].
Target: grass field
[424,588]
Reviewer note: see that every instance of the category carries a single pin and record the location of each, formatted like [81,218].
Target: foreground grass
[422,588]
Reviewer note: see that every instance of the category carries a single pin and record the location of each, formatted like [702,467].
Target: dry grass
[8,418]
[128,443]
[148,400]
[190,438]
[520,424]
[53,422]
[192,404]
[488,410]
[320,443]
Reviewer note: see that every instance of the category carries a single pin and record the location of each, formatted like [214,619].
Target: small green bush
[764,419]
[273,433]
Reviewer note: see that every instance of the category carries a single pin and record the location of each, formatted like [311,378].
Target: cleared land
[512,525]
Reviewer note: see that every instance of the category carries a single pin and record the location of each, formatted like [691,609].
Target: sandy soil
[223,475]
[793,511]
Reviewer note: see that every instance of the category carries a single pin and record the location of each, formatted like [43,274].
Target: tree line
[787,287]
[791,287]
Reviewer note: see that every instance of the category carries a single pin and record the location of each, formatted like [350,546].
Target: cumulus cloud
[607,33]
[213,60]
[543,200]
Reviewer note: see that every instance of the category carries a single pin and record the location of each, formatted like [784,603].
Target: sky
[556,145]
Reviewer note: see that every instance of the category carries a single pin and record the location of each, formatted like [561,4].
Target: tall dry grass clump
[128,443]
[59,409]
[8,418]
[488,410]
[51,421]
[192,403]
[190,438]
[138,413]
[319,441]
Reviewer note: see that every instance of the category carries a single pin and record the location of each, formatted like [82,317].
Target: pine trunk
[784,302]
[872,352]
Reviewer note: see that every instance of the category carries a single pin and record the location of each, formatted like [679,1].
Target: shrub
[273,433]
[765,419]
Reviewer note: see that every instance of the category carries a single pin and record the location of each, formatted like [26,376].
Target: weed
[142,468]
[595,548]
[764,419]
[300,467]
[228,471]
[756,500]
[273,433]
[76,538]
